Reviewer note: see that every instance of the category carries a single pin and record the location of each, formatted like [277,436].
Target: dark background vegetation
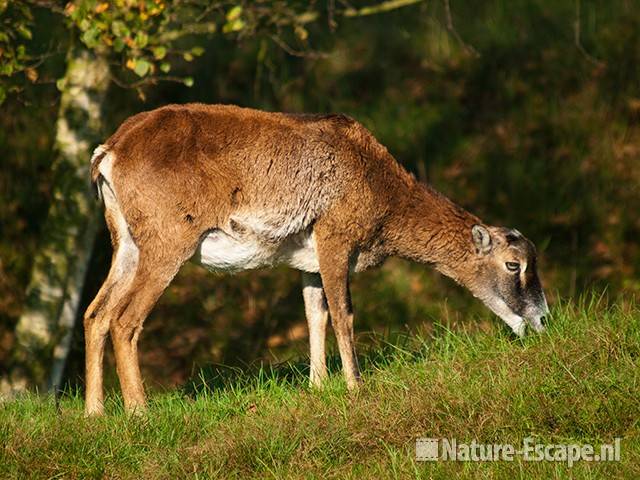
[535,131]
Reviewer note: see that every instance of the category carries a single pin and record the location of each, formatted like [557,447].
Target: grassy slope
[578,383]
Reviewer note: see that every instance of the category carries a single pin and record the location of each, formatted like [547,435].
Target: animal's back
[274,172]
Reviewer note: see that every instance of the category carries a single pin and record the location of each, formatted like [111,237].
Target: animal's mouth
[517,323]
[537,323]
[520,325]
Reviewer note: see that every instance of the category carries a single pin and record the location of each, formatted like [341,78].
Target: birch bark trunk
[45,329]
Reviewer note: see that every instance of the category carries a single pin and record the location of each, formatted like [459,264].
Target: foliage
[148,38]
[145,35]
[16,23]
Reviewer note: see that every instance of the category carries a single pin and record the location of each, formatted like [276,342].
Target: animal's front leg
[317,313]
[333,258]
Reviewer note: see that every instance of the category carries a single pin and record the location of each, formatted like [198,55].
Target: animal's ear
[481,239]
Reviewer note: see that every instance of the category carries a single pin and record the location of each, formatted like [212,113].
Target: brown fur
[183,170]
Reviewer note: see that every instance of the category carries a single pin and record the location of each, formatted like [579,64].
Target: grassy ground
[577,383]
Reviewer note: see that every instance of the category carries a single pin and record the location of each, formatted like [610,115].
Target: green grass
[577,383]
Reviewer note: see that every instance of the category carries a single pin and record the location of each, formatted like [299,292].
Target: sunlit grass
[576,383]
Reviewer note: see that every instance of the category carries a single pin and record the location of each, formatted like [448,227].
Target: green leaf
[3,94]
[120,29]
[301,32]
[197,51]
[118,44]
[90,37]
[187,56]
[24,31]
[159,52]
[233,26]
[234,13]
[142,67]
[75,14]
[165,67]
[61,83]
[188,81]
[142,39]
[6,69]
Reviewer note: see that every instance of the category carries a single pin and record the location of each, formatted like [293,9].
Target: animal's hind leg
[151,279]
[96,327]
[98,316]
[96,324]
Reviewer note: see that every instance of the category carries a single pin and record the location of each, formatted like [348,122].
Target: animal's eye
[513,266]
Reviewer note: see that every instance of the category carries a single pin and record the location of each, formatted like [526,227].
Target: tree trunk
[45,329]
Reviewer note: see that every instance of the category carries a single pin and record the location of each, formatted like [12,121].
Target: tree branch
[189,29]
[150,80]
[309,17]
[379,8]
[452,30]
[296,53]
[578,42]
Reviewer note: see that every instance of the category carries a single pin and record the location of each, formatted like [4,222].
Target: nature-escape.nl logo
[449,449]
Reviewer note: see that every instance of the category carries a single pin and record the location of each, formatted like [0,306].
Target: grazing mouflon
[237,189]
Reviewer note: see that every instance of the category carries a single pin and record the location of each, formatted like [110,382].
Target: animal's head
[505,277]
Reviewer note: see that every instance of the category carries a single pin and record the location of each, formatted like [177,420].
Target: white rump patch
[105,165]
[100,149]
[125,261]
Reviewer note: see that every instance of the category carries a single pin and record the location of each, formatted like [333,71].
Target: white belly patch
[230,252]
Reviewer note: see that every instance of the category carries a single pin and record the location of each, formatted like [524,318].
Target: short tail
[98,154]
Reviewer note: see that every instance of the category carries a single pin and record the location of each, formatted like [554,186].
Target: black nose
[544,320]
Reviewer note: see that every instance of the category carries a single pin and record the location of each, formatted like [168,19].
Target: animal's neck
[427,227]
